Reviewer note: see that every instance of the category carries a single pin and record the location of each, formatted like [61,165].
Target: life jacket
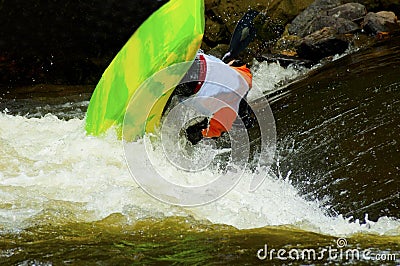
[219,91]
[246,74]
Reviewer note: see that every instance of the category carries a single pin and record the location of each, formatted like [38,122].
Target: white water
[50,171]
[270,76]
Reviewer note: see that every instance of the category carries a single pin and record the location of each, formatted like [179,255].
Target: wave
[50,171]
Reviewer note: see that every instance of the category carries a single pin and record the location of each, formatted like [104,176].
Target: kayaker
[211,78]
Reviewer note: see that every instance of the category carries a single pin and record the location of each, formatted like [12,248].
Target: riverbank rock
[219,50]
[223,15]
[383,21]
[286,10]
[375,6]
[329,13]
[274,34]
[322,43]
[321,25]
[350,11]
[300,25]
[334,23]
[341,25]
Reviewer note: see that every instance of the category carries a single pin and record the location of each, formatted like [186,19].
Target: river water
[332,197]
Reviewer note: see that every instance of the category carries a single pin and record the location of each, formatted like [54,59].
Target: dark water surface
[339,133]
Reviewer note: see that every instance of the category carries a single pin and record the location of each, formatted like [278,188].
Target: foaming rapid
[276,76]
[51,171]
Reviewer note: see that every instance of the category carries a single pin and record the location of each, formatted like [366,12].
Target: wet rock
[219,50]
[268,29]
[286,10]
[374,5]
[287,44]
[341,25]
[383,21]
[222,16]
[319,15]
[350,11]
[328,14]
[301,24]
[322,43]
[216,32]
[323,24]
[228,13]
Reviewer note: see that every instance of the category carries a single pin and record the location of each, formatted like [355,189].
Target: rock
[219,50]
[341,25]
[321,44]
[374,5]
[268,29]
[287,44]
[222,16]
[319,16]
[286,10]
[229,12]
[350,11]
[328,13]
[383,21]
[216,33]
[300,25]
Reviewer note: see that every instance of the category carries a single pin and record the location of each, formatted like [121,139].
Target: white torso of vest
[223,86]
